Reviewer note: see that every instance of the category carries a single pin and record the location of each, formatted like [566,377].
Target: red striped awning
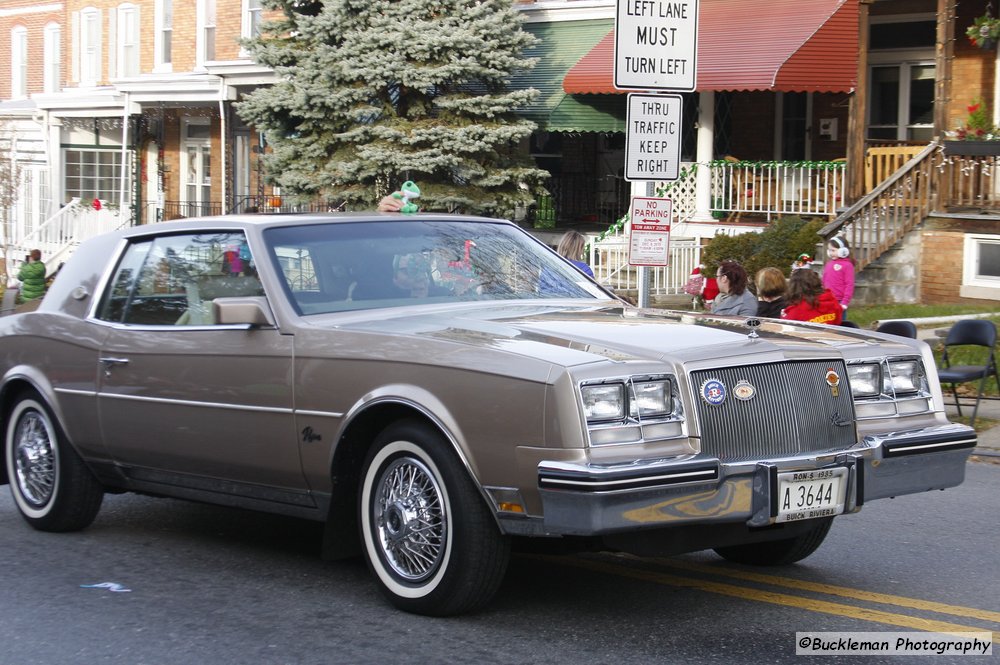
[780,45]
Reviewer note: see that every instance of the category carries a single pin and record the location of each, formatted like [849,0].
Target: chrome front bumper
[590,499]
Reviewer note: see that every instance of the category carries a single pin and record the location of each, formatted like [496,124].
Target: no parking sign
[650,238]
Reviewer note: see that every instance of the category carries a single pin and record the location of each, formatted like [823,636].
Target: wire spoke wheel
[428,537]
[34,459]
[412,522]
[52,487]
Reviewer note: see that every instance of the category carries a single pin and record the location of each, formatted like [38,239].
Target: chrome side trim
[216,405]
[185,402]
[173,328]
[73,391]
[320,414]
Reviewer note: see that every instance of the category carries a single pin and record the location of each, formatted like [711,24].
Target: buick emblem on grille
[833,380]
[744,390]
[713,392]
[838,420]
[753,323]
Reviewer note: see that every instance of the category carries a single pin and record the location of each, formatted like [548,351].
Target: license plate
[806,495]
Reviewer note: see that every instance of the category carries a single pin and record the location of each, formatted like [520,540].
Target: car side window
[172,280]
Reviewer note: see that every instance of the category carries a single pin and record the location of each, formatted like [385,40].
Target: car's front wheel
[52,487]
[778,552]
[429,538]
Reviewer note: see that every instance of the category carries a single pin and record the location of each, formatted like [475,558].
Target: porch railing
[968,183]
[609,261]
[772,189]
[61,233]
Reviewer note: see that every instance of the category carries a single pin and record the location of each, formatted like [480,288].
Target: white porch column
[53,154]
[125,182]
[703,155]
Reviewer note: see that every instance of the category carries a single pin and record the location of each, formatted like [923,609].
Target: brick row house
[131,103]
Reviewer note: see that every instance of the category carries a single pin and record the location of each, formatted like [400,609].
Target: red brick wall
[34,22]
[184,38]
[972,69]
[941,266]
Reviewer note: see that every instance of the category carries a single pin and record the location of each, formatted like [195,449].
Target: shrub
[778,245]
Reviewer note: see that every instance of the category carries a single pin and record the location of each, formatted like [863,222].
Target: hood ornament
[753,323]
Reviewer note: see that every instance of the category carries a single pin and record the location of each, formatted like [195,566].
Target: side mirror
[252,311]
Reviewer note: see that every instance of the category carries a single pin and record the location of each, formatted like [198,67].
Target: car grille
[793,410]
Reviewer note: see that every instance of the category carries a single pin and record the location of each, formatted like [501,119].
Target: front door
[183,401]
[196,169]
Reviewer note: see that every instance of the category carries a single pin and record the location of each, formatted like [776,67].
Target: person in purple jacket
[838,273]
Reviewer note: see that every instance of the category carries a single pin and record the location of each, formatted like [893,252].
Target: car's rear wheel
[429,538]
[778,552]
[52,487]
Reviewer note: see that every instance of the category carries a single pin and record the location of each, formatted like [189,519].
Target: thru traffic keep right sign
[653,137]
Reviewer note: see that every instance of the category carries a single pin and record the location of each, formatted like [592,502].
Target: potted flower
[977,136]
[984,31]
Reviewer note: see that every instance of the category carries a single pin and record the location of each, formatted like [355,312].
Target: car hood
[571,334]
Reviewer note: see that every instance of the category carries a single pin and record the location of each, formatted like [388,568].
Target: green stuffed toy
[407,192]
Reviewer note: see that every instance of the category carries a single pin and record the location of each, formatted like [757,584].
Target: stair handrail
[831,229]
[887,191]
[38,230]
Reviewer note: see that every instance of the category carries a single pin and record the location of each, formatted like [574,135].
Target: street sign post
[649,243]
[653,137]
[656,48]
[656,45]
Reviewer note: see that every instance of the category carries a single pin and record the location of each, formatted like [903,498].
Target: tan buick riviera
[432,387]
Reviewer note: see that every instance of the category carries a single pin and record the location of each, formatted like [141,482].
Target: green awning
[588,113]
[562,45]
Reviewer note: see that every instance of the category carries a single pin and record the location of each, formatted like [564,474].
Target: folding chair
[901,328]
[970,332]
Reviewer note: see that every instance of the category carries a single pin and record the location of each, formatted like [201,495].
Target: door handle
[108,363]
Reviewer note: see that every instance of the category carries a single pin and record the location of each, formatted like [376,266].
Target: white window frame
[19,62]
[95,172]
[975,285]
[207,17]
[52,58]
[163,15]
[252,17]
[87,46]
[127,61]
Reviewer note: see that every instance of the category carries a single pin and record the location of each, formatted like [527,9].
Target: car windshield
[349,266]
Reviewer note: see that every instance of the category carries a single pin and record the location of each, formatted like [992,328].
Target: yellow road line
[831,590]
[822,606]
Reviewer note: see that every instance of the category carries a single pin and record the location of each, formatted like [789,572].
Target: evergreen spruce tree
[376,92]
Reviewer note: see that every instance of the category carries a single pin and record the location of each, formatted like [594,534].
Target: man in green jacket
[32,276]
